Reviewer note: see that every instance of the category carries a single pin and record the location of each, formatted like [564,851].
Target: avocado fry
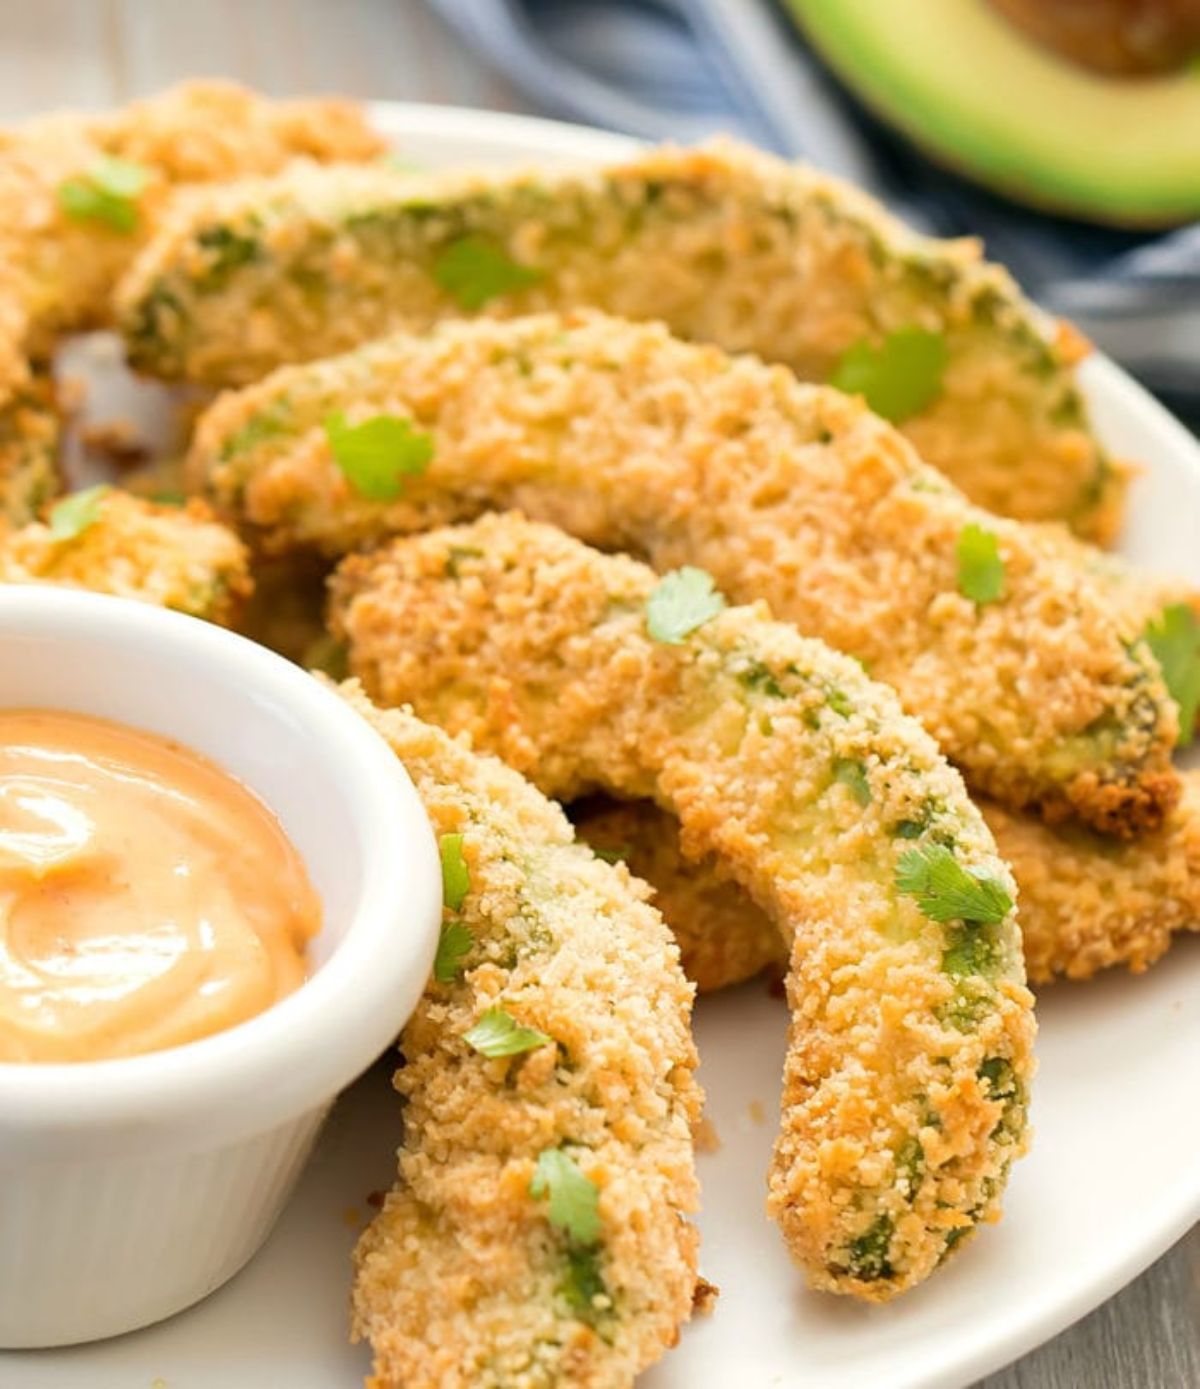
[1087,903]
[908,1069]
[722,243]
[110,542]
[80,192]
[538,1232]
[632,439]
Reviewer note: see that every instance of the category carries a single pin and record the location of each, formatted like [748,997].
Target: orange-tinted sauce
[146,897]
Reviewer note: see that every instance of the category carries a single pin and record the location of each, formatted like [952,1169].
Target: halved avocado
[978,94]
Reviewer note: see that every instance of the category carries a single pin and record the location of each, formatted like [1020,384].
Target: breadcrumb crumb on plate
[1110,1183]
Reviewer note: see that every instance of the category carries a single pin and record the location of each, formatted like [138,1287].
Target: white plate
[1111,1183]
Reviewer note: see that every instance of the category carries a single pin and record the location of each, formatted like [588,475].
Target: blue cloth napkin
[684,69]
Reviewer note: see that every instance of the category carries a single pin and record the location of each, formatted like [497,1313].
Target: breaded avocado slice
[1010,651]
[538,1233]
[1087,903]
[724,244]
[110,542]
[907,1075]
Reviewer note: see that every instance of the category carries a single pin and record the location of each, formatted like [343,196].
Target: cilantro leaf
[1175,641]
[75,513]
[946,891]
[473,271]
[980,568]
[456,876]
[107,192]
[454,945]
[497,1033]
[681,601]
[900,377]
[574,1199]
[378,454]
[853,776]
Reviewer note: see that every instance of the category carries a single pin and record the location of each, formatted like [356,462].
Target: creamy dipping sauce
[146,897]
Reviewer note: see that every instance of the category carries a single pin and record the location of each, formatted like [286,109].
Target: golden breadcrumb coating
[1087,902]
[634,440]
[30,433]
[723,243]
[58,267]
[175,557]
[723,937]
[910,1055]
[462,1280]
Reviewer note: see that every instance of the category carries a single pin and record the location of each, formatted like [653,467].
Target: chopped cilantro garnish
[473,271]
[946,891]
[456,876]
[454,944]
[853,776]
[169,497]
[107,192]
[681,601]
[900,377]
[74,514]
[378,454]
[1175,641]
[574,1199]
[497,1033]
[980,568]
[617,854]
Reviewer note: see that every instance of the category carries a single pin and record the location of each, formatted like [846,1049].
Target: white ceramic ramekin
[131,1188]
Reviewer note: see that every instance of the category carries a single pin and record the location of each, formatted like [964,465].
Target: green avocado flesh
[978,95]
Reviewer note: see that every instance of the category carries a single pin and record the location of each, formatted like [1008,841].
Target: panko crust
[910,1051]
[57,272]
[174,557]
[724,938]
[1087,903]
[632,439]
[724,243]
[30,435]
[461,1282]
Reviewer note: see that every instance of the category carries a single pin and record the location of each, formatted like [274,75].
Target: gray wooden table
[98,52]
